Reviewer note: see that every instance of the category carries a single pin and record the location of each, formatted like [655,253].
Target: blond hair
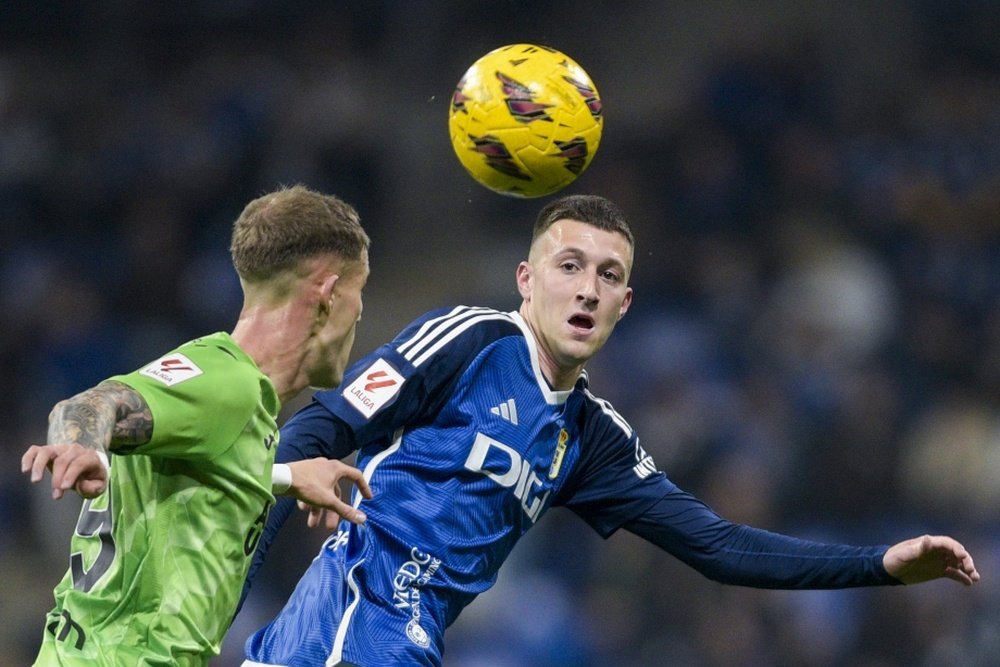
[278,231]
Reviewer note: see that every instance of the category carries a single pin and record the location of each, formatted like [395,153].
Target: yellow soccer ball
[525,120]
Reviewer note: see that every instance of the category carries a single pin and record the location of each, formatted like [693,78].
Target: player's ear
[626,303]
[327,294]
[524,280]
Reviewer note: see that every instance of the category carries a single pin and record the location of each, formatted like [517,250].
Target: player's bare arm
[930,557]
[315,483]
[82,429]
[109,415]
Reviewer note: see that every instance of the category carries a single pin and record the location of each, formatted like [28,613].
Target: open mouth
[582,322]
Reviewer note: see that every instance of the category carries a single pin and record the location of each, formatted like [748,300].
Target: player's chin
[586,341]
[578,352]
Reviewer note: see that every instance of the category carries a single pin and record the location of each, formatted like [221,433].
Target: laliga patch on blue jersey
[375,387]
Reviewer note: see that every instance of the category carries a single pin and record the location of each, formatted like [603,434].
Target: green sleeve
[198,416]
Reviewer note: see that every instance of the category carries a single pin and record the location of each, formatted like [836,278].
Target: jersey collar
[552,396]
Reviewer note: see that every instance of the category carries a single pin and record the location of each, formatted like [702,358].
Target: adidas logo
[507,410]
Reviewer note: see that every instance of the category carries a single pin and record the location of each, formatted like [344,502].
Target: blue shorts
[356,606]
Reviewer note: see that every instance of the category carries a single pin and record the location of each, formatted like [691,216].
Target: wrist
[281,478]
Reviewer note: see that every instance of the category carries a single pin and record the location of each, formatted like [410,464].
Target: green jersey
[158,560]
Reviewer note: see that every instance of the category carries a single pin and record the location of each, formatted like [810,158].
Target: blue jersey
[465,446]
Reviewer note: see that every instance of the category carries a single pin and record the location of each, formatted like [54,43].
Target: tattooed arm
[82,430]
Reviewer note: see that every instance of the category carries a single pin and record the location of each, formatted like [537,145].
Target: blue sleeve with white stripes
[406,382]
[616,480]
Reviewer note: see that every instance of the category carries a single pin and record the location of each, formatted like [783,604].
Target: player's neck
[276,341]
[559,376]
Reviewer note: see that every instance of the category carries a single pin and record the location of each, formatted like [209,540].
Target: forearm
[742,555]
[312,432]
[101,418]
[87,419]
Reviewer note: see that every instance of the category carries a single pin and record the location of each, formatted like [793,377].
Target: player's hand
[316,485]
[73,466]
[930,557]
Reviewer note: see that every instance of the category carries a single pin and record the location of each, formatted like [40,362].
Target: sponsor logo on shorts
[172,369]
[334,542]
[417,634]
[411,576]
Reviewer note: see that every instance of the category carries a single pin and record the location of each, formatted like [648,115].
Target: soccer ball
[525,120]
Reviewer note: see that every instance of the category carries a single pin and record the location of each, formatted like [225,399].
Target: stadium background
[815,342]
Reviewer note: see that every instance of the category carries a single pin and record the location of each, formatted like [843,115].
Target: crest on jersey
[172,369]
[375,387]
[557,458]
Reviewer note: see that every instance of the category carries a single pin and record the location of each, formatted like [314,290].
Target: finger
[962,560]
[28,458]
[90,488]
[958,575]
[969,568]
[39,463]
[314,512]
[58,466]
[344,510]
[332,521]
[358,477]
[83,467]
[350,513]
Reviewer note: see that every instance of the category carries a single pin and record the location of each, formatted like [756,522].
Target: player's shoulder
[220,356]
[450,317]
[213,365]
[599,415]
[470,327]
[607,437]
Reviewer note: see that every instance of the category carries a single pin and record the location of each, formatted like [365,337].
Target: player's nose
[587,290]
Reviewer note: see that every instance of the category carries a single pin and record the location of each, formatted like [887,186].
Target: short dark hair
[280,229]
[590,209]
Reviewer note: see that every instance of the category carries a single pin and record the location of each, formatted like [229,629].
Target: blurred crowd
[814,346]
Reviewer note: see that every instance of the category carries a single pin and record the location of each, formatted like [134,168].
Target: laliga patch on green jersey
[172,369]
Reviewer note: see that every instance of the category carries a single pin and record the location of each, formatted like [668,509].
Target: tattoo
[104,417]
